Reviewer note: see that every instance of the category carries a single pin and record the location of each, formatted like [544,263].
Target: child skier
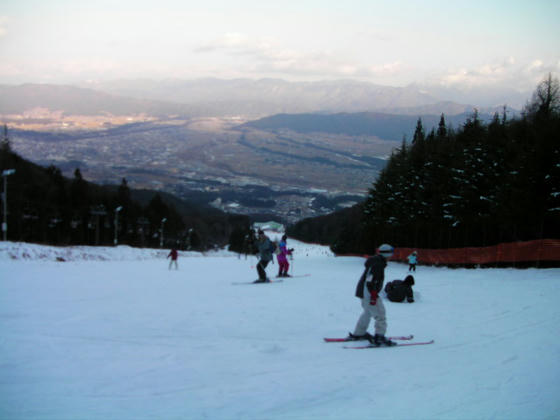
[412,261]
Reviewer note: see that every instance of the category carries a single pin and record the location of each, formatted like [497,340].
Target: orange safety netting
[538,250]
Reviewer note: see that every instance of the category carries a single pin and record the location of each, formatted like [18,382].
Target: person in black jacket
[368,288]
[399,290]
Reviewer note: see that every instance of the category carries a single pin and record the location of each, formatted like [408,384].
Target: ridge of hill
[219,98]
[73,100]
[381,125]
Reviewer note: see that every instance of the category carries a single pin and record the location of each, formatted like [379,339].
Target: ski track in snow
[112,333]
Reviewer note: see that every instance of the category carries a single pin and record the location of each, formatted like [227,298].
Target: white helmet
[386,250]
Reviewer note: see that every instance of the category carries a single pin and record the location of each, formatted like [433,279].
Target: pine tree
[5,145]
[124,193]
[442,129]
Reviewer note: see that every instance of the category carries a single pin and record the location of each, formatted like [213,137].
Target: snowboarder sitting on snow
[282,257]
[265,248]
[368,288]
[398,290]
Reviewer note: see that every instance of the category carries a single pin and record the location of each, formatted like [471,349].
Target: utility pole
[97,211]
[143,222]
[117,210]
[5,174]
[161,232]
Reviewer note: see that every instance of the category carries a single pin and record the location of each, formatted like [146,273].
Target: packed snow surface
[112,333]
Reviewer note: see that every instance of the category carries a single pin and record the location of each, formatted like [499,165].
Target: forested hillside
[480,184]
[45,207]
[381,125]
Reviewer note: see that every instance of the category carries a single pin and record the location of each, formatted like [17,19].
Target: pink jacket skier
[282,257]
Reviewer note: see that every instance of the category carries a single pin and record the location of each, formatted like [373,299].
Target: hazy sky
[491,42]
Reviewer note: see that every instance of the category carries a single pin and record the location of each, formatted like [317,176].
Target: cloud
[536,65]
[267,56]
[485,74]
[56,71]
[235,43]
[387,69]
[509,71]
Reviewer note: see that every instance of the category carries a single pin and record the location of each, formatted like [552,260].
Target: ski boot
[366,336]
[380,340]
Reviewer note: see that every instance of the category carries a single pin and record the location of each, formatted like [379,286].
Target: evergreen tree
[442,129]
[79,191]
[419,134]
[5,145]
[543,151]
[124,193]
[236,239]
[128,213]
[481,185]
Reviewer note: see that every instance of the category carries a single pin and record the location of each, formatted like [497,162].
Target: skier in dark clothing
[173,254]
[368,288]
[399,290]
[265,256]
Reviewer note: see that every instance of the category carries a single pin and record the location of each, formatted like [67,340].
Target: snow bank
[26,251]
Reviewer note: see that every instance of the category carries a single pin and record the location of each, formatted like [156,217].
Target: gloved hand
[373,298]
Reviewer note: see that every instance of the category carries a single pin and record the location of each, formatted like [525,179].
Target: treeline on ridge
[478,185]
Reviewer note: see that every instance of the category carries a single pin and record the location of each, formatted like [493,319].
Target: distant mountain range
[79,101]
[217,97]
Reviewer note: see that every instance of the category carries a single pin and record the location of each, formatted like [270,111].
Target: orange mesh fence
[538,250]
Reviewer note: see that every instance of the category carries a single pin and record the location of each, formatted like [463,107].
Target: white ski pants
[377,312]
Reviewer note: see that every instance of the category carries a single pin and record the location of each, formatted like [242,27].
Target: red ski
[342,340]
[371,346]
